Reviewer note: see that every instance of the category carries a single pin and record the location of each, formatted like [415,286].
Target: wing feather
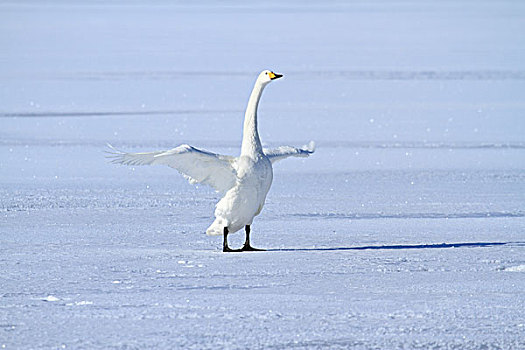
[198,166]
[283,152]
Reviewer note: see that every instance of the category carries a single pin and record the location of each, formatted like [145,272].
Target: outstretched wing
[282,152]
[194,164]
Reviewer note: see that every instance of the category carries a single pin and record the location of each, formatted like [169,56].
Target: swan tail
[216,228]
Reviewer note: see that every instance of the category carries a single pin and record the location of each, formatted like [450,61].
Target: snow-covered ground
[406,229]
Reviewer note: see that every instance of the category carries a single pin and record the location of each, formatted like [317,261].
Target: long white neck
[251,143]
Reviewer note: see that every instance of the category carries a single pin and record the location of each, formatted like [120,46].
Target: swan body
[246,199]
[244,180]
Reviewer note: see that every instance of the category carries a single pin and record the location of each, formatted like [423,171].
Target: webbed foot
[229,250]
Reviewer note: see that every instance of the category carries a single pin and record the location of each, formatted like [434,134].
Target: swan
[244,180]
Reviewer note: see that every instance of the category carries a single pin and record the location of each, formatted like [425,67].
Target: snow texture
[405,230]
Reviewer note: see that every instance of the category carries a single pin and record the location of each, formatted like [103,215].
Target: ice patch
[517,268]
[80,303]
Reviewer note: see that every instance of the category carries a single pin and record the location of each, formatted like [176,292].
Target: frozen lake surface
[406,228]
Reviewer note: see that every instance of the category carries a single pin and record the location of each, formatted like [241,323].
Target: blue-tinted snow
[405,229]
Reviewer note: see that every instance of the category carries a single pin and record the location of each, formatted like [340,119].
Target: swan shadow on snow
[403,246]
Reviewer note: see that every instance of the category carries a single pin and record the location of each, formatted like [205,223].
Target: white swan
[245,180]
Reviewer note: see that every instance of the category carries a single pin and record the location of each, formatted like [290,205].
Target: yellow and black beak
[274,76]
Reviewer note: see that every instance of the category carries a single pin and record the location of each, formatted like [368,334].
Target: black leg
[225,247]
[247,246]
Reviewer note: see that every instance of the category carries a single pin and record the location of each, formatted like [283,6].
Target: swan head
[267,76]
